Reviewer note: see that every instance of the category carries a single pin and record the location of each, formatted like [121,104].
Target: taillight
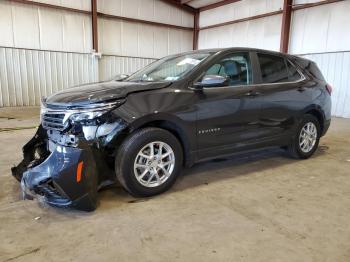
[329,89]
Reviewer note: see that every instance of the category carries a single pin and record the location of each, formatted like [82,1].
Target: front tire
[306,139]
[148,162]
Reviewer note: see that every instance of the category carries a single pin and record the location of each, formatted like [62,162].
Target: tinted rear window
[273,68]
[315,71]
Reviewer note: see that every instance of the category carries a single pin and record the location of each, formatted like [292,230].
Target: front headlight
[77,114]
[81,116]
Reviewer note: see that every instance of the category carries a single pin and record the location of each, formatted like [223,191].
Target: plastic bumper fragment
[53,176]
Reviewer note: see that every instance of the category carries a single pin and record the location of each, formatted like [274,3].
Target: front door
[228,116]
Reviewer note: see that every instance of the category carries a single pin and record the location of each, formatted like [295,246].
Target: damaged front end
[71,155]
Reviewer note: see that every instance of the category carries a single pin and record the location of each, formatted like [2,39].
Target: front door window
[235,67]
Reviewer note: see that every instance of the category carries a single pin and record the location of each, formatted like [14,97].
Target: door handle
[253,93]
[301,89]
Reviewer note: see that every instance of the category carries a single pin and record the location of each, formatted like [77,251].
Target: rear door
[285,93]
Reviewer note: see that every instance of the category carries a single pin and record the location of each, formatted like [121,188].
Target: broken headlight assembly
[84,116]
[64,123]
[57,116]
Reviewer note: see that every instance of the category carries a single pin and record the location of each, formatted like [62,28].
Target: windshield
[169,68]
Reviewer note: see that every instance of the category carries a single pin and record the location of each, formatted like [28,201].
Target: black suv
[144,128]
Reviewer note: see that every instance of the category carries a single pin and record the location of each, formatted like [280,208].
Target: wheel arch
[174,129]
[317,112]
[173,124]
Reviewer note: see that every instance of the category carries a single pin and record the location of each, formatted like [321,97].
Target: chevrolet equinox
[143,129]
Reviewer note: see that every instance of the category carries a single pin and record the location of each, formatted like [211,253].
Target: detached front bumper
[64,177]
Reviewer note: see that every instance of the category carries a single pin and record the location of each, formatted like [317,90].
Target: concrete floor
[255,207]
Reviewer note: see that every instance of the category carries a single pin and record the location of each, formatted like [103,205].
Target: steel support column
[94,25]
[196,30]
[286,21]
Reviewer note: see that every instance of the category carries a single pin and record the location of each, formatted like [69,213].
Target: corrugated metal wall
[238,10]
[336,69]
[259,33]
[26,26]
[27,75]
[321,29]
[28,72]
[109,65]
[150,10]
[323,33]
[124,38]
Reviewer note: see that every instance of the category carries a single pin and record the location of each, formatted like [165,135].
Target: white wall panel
[130,38]
[26,26]
[321,29]
[51,21]
[186,41]
[151,10]
[77,36]
[109,36]
[110,66]
[336,69]
[146,41]
[161,42]
[123,38]
[25,22]
[6,25]
[238,10]
[27,75]
[260,33]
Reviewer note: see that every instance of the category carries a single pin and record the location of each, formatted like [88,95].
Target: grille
[53,121]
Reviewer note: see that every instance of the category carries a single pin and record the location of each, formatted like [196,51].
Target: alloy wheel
[308,137]
[154,164]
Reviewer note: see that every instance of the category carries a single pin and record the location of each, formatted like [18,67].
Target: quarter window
[293,74]
[273,68]
[235,67]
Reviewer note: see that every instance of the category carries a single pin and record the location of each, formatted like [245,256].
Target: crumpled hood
[101,92]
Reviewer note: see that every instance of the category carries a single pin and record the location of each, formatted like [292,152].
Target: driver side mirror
[211,81]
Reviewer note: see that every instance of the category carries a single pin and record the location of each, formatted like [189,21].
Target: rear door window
[273,68]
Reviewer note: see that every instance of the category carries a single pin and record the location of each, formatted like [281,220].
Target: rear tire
[148,162]
[306,139]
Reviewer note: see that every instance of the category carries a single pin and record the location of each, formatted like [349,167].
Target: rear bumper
[58,180]
[326,126]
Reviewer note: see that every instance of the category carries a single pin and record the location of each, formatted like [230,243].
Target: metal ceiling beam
[216,5]
[57,7]
[185,1]
[308,5]
[128,19]
[180,5]
[242,20]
